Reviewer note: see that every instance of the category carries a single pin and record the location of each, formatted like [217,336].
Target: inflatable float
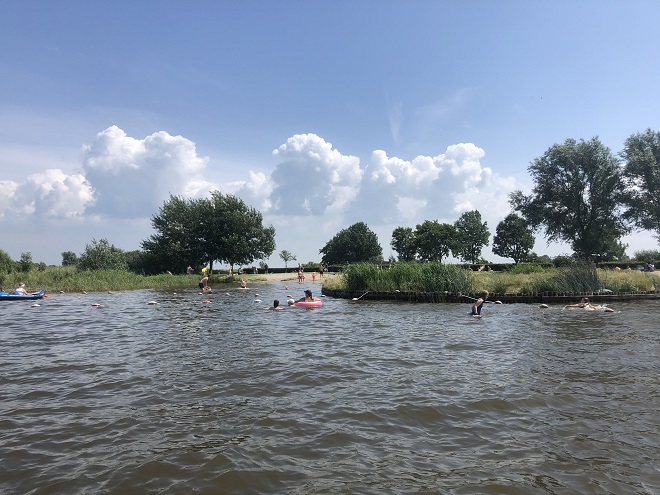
[309,304]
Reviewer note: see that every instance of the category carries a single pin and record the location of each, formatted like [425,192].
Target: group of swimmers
[292,302]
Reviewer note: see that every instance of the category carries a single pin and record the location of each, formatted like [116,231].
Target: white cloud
[312,178]
[50,194]
[133,177]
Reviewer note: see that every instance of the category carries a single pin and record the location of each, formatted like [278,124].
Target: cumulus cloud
[132,177]
[312,178]
[402,192]
[50,194]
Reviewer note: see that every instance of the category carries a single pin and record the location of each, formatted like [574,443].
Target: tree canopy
[641,174]
[201,231]
[101,255]
[513,238]
[576,197]
[472,236]
[403,242]
[434,240]
[354,244]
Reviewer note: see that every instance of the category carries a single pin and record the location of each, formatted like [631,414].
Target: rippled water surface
[355,397]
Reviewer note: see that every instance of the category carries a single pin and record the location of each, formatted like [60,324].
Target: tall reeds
[418,277]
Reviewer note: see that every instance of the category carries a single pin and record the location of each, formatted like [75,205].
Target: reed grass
[419,277]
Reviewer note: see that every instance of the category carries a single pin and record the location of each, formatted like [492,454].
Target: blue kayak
[7,296]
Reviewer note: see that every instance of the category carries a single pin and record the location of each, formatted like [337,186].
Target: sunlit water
[356,397]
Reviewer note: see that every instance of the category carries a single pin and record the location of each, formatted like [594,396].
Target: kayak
[6,296]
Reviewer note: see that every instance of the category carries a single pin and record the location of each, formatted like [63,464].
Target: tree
[286,257]
[576,197]
[26,262]
[69,258]
[434,240]
[234,232]
[201,231]
[403,242]
[472,236]
[352,245]
[641,175]
[101,255]
[6,263]
[513,238]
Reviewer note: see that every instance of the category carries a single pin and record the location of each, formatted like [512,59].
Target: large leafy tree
[403,242]
[69,258]
[202,231]
[354,244]
[641,174]
[472,236]
[234,232]
[101,255]
[513,238]
[434,240]
[576,197]
[179,238]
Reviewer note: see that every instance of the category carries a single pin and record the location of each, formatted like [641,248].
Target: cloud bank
[312,184]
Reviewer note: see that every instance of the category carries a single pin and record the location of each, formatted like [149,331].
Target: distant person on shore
[478,304]
[313,277]
[321,270]
[20,290]
[190,270]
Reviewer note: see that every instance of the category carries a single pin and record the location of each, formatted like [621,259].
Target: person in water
[308,297]
[276,306]
[478,304]
[584,303]
[204,285]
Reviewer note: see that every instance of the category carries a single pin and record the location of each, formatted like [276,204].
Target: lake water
[355,397]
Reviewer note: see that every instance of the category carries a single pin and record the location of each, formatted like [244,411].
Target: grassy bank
[69,279]
[530,279]
[418,277]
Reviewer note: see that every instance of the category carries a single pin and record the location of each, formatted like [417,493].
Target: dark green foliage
[647,254]
[403,242]
[642,179]
[434,240]
[513,238]
[101,255]
[472,236]
[198,232]
[25,264]
[576,197]
[69,258]
[354,244]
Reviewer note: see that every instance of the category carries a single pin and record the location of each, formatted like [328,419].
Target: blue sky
[320,114]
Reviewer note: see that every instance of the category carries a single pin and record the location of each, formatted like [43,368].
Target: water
[355,397]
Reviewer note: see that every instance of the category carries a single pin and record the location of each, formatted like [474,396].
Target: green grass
[420,277]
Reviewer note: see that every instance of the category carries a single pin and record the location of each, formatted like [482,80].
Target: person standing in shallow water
[478,304]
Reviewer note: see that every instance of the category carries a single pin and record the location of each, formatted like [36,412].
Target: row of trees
[582,195]
[433,241]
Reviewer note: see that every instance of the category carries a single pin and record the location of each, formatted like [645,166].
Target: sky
[319,114]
